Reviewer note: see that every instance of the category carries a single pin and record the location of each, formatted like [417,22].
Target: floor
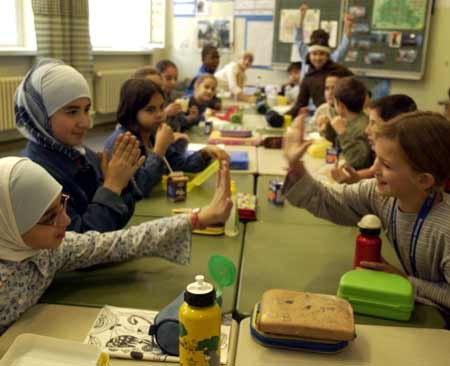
[95,140]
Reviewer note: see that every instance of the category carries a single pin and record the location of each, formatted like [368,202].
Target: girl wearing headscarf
[34,244]
[52,107]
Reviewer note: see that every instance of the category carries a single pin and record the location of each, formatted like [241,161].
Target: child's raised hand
[345,174]
[339,125]
[173,109]
[215,153]
[219,208]
[125,161]
[303,9]
[294,144]
[163,139]
[348,24]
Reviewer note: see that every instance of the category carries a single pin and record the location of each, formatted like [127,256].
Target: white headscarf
[47,87]
[26,192]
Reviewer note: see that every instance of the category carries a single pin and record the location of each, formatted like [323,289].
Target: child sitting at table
[380,111]
[210,63]
[407,195]
[326,111]
[141,112]
[34,244]
[52,107]
[204,95]
[291,87]
[348,127]
[176,118]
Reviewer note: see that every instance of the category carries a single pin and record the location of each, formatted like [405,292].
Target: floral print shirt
[23,283]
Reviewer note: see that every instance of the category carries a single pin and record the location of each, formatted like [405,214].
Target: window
[132,25]
[17,25]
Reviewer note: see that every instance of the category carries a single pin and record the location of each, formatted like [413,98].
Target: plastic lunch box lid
[381,288]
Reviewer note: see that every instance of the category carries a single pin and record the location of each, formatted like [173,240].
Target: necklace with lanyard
[420,219]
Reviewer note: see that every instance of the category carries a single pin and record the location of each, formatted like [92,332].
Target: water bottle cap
[370,222]
[200,293]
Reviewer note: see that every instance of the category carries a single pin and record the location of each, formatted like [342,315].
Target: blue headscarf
[47,87]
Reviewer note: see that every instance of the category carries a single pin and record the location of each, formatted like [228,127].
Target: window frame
[26,38]
[150,47]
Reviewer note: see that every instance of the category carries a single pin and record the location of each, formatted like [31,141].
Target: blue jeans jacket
[150,173]
[91,206]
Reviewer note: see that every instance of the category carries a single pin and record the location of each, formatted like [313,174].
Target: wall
[181,33]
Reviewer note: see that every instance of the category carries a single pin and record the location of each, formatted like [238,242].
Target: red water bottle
[368,242]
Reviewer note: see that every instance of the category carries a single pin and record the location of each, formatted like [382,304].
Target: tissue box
[380,294]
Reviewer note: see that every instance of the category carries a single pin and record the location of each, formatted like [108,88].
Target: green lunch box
[380,294]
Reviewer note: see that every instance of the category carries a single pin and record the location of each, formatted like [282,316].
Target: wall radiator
[107,89]
[8,86]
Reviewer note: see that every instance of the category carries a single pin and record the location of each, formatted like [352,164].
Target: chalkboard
[389,37]
[330,10]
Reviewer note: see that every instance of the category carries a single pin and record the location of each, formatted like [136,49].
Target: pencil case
[291,342]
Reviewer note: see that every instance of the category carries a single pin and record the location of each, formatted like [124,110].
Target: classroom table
[285,214]
[272,162]
[250,150]
[73,323]
[147,283]
[158,205]
[308,258]
[373,346]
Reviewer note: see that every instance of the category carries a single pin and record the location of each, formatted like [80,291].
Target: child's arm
[298,34]
[340,52]
[427,292]
[341,204]
[437,292]
[169,238]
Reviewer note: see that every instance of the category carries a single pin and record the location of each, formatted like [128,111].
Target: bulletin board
[330,10]
[389,37]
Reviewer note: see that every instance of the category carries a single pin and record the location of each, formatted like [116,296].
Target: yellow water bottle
[200,320]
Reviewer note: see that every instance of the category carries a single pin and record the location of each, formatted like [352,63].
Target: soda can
[332,155]
[275,194]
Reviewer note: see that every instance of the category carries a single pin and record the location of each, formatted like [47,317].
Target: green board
[389,37]
[330,10]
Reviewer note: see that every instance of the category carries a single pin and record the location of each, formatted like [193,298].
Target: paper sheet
[254,7]
[289,20]
[259,41]
[311,23]
[123,332]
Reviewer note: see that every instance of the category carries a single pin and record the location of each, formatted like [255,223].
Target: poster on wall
[218,32]
[254,7]
[184,8]
[261,47]
[289,20]
[394,14]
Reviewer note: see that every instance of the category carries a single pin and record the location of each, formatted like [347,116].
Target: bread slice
[306,315]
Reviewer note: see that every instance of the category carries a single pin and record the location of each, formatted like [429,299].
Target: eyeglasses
[56,218]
